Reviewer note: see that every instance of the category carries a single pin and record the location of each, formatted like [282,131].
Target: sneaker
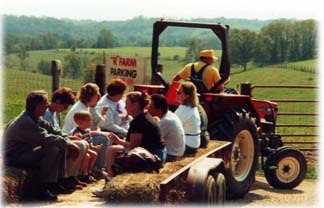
[87,179]
[46,195]
[92,178]
[108,179]
[99,174]
[60,189]
[99,193]
[78,182]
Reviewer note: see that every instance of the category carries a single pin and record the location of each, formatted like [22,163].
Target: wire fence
[297,67]
[17,84]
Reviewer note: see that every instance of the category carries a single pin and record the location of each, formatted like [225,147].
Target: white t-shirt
[173,134]
[69,123]
[190,120]
[113,121]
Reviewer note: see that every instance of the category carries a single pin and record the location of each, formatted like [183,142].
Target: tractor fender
[197,177]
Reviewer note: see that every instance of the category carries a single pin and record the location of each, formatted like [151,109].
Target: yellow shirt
[209,77]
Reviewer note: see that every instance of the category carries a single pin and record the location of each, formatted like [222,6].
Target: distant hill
[138,28]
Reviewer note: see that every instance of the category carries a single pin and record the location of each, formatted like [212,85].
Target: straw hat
[208,53]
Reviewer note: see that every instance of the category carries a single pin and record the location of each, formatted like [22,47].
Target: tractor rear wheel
[240,129]
[285,168]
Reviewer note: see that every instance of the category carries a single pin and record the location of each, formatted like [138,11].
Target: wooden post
[56,70]
[246,89]
[100,78]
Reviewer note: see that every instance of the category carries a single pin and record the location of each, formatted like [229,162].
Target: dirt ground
[261,194]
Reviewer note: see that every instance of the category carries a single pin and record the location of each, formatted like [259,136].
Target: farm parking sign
[131,69]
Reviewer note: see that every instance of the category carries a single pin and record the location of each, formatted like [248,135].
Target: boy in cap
[202,70]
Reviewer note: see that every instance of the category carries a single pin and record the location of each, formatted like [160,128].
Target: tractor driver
[202,73]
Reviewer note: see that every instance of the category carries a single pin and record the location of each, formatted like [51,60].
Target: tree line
[41,33]
[46,41]
[280,41]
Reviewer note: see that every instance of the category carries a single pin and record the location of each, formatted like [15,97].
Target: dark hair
[35,98]
[160,102]
[64,95]
[190,89]
[87,91]
[141,97]
[116,87]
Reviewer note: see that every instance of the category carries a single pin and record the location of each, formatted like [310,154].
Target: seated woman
[143,131]
[88,98]
[189,116]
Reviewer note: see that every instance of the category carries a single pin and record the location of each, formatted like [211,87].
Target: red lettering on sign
[114,59]
[127,62]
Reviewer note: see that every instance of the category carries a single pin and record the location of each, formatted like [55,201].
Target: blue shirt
[52,118]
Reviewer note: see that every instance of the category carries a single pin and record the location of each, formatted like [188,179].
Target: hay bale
[145,187]
[13,181]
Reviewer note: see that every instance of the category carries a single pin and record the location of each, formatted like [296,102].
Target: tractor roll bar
[221,32]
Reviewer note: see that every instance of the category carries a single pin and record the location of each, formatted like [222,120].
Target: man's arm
[176,78]
[184,73]
[36,135]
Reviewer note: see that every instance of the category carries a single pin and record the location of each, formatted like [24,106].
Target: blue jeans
[161,153]
[101,159]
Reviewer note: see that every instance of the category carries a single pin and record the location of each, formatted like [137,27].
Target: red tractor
[249,124]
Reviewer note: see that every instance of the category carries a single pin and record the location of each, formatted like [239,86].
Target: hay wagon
[196,178]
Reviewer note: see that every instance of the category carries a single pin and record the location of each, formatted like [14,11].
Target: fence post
[246,89]
[100,78]
[56,70]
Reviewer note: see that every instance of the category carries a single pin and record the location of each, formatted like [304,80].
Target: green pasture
[166,53]
[307,63]
[18,83]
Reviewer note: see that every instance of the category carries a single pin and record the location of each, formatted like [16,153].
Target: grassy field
[18,83]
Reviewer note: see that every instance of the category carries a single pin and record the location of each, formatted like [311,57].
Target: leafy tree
[294,49]
[308,39]
[105,39]
[49,41]
[277,31]
[241,45]
[44,67]
[192,52]
[73,65]
[23,55]
[284,40]
[263,45]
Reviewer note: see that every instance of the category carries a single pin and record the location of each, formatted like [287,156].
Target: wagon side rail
[222,152]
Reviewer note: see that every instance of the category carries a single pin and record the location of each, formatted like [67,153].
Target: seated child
[82,131]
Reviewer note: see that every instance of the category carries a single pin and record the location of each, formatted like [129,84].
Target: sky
[172,9]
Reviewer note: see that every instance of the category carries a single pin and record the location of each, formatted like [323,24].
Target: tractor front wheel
[285,168]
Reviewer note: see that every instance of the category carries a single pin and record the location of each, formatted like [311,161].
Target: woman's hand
[75,137]
[96,147]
